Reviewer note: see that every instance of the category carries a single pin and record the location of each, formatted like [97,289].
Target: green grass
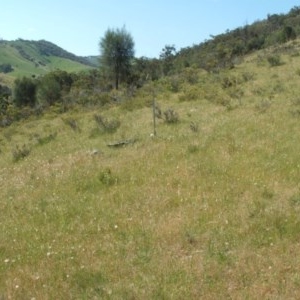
[211,213]
[40,65]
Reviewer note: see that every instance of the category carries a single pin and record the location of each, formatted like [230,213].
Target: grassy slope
[24,67]
[211,214]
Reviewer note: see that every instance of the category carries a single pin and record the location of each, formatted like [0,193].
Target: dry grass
[211,214]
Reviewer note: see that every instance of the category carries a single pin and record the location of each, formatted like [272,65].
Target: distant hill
[32,58]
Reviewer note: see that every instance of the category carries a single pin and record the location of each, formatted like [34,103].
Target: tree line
[119,68]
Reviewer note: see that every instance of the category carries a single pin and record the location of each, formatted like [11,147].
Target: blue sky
[78,25]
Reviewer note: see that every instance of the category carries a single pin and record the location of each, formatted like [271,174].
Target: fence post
[154,115]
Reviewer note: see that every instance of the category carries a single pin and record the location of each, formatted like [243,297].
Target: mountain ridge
[32,58]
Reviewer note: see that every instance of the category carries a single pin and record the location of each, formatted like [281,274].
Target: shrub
[20,152]
[6,68]
[228,81]
[106,125]
[24,91]
[274,60]
[49,90]
[191,75]
[247,76]
[46,139]
[72,123]
[107,178]
[190,93]
[263,106]
[175,83]
[170,116]
[102,98]
[194,127]
[236,93]
[193,148]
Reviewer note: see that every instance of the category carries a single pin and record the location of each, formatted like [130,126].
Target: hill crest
[29,58]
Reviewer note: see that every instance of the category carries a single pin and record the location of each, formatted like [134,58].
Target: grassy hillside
[207,209]
[29,58]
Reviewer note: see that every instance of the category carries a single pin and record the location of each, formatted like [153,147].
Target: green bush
[191,75]
[6,68]
[190,93]
[49,90]
[174,83]
[24,92]
[107,178]
[274,60]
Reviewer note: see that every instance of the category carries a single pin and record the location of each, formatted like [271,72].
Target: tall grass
[211,213]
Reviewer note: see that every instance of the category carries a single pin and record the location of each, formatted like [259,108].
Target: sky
[78,25]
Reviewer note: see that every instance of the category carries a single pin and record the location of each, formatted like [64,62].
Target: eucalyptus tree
[116,54]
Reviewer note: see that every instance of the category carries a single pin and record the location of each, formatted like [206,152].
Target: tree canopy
[24,91]
[116,53]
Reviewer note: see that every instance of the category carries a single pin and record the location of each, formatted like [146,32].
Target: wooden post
[154,116]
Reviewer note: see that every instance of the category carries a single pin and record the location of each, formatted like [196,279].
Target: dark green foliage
[5,92]
[167,57]
[25,92]
[222,51]
[49,90]
[88,80]
[91,89]
[117,53]
[145,69]
[6,68]
[54,85]
[288,33]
